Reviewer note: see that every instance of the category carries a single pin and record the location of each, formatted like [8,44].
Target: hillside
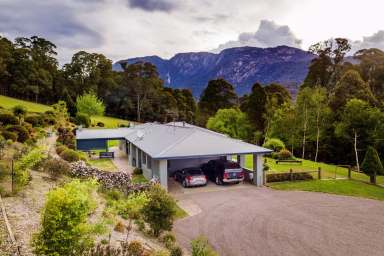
[241,66]
[8,103]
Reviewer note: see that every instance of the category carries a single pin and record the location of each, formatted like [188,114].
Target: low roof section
[108,134]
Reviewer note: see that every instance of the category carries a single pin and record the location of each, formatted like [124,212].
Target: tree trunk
[304,131]
[372,179]
[317,135]
[356,155]
[138,108]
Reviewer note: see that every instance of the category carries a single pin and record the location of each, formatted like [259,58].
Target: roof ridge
[176,142]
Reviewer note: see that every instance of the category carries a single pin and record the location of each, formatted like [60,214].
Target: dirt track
[261,221]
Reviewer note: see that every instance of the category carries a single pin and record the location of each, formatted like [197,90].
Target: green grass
[138,179]
[180,213]
[103,164]
[339,187]
[109,122]
[9,103]
[329,171]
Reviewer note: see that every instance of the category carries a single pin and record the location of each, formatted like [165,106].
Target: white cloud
[269,34]
[376,40]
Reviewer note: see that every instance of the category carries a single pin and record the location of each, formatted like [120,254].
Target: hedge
[279,177]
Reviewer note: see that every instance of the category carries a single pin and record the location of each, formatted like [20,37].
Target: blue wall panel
[90,144]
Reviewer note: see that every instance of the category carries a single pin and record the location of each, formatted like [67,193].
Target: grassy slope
[103,164]
[8,103]
[340,187]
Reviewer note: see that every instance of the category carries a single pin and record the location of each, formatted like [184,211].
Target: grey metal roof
[175,140]
[117,133]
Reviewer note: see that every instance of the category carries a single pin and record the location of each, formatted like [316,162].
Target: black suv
[223,171]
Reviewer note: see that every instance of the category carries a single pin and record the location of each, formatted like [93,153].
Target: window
[128,148]
[149,160]
[143,157]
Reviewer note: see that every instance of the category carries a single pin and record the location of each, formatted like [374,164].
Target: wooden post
[290,175]
[319,173]
[12,176]
[349,172]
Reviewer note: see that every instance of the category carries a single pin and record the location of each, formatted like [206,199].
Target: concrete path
[121,160]
[261,221]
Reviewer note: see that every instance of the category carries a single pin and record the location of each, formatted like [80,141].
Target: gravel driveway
[261,221]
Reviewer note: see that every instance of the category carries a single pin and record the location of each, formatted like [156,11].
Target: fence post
[291,174]
[12,176]
[349,172]
[319,173]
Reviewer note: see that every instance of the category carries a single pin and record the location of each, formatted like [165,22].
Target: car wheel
[184,183]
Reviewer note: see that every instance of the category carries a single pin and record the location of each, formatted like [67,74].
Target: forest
[336,116]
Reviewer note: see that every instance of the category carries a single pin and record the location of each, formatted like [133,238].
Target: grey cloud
[56,22]
[153,5]
[376,40]
[269,34]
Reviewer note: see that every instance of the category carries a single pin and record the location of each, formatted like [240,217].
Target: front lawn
[138,179]
[103,164]
[109,122]
[339,187]
[329,171]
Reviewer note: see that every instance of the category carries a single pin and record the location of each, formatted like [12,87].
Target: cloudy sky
[130,28]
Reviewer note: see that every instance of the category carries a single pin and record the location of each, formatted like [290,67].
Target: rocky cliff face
[242,67]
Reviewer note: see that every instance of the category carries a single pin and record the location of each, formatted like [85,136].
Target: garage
[161,149]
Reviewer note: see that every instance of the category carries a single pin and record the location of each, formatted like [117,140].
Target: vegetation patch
[339,187]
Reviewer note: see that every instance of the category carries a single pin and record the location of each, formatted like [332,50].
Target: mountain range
[241,66]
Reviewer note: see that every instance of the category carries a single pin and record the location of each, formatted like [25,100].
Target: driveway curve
[261,221]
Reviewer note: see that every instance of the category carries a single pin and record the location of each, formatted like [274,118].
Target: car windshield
[194,171]
[231,165]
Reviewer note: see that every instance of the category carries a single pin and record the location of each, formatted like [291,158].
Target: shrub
[131,206]
[100,124]
[66,137]
[201,247]
[26,162]
[9,135]
[274,144]
[35,120]
[7,119]
[135,248]
[137,171]
[56,167]
[19,110]
[22,132]
[176,251]
[60,149]
[83,119]
[119,227]
[64,228]
[159,211]
[371,164]
[279,177]
[140,224]
[284,154]
[70,155]
[169,240]
[49,120]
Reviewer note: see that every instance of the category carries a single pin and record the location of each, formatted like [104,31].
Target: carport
[161,149]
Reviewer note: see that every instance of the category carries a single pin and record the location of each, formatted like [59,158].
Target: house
[161,149]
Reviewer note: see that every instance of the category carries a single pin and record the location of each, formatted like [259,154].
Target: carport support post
[163,172]
[257,170]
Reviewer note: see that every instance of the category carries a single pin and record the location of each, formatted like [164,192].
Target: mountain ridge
[241,66]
